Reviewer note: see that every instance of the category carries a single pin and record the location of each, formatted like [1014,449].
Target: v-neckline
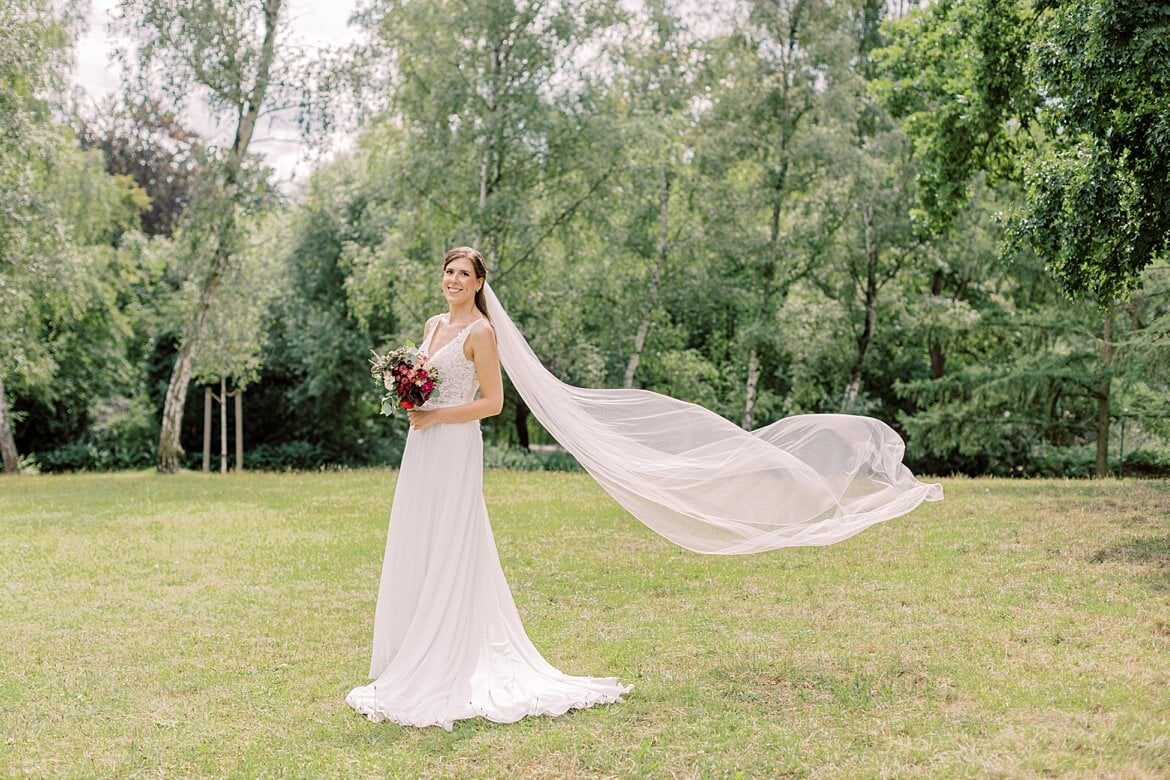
[468,326]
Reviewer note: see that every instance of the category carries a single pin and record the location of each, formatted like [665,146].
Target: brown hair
[477,264]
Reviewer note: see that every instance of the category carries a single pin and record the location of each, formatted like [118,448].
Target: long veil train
[708,485]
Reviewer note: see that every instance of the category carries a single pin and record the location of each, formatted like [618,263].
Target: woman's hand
[420,419]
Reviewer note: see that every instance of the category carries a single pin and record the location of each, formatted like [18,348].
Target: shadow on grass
[435,741]
[1151,552]
[431,740]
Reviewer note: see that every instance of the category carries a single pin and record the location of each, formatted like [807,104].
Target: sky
[320,23]
[316,22]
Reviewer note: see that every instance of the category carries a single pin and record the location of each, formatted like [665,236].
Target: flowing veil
[708,485]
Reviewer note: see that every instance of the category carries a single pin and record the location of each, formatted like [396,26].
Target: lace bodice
[458,381]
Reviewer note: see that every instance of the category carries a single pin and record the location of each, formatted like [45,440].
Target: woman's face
[459,282]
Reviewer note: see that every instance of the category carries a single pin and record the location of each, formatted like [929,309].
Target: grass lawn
[207,625]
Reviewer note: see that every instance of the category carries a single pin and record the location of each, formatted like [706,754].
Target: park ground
[206,625]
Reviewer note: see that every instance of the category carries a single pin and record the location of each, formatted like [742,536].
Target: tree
[82,318]
[879,175]
[764,136]
[237,327]
[658,80]
[332,306]
[498,139]
[38,264]
[1037,386]
[147,143]
[230,50]
[1067,97]
[1142,365]
[495,119]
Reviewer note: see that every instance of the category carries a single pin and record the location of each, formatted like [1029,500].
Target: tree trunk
[522,413]
[1103,415]
[769,274]
[853,389]
[206,430]
[938,358]
[239,429]
[489,169]
[223,425]
[655,277]
[753,379]
[484,167]
[7,439]
[170,450]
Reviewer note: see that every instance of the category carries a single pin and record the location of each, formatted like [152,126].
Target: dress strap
[429,333]
[462,335]
[458,340]
[426,342]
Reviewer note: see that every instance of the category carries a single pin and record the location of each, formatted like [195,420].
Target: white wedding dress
[448,641]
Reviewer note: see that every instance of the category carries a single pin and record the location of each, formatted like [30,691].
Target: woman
[448,641]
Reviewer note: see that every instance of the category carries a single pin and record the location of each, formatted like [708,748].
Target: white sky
[320,23]
[315,22]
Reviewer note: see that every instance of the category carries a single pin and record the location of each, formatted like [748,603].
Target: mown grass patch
[205,625]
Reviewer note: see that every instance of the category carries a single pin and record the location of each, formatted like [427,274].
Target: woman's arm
[481,342]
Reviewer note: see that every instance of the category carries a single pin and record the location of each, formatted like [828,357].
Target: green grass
[207,625]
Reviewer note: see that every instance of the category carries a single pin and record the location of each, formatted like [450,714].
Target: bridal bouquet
[408,376]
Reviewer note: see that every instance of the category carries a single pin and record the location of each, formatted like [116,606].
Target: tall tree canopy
[722,210]
[1067,95]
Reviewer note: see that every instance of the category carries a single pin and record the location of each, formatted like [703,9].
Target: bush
[1146,463]
[519,459]
[78,456]
[297,455]
[93,452]
[124,435]
[1058,462]
[1082,462]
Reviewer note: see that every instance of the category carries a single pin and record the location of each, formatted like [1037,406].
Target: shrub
[1146,463]
[297,455]
[519,459]
[1059,462]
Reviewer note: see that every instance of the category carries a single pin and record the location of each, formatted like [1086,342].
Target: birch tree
[878,241]
[490,98]
[765,137]
[231,53]
[654,99]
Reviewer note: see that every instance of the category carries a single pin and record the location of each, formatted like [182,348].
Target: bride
[448,642]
